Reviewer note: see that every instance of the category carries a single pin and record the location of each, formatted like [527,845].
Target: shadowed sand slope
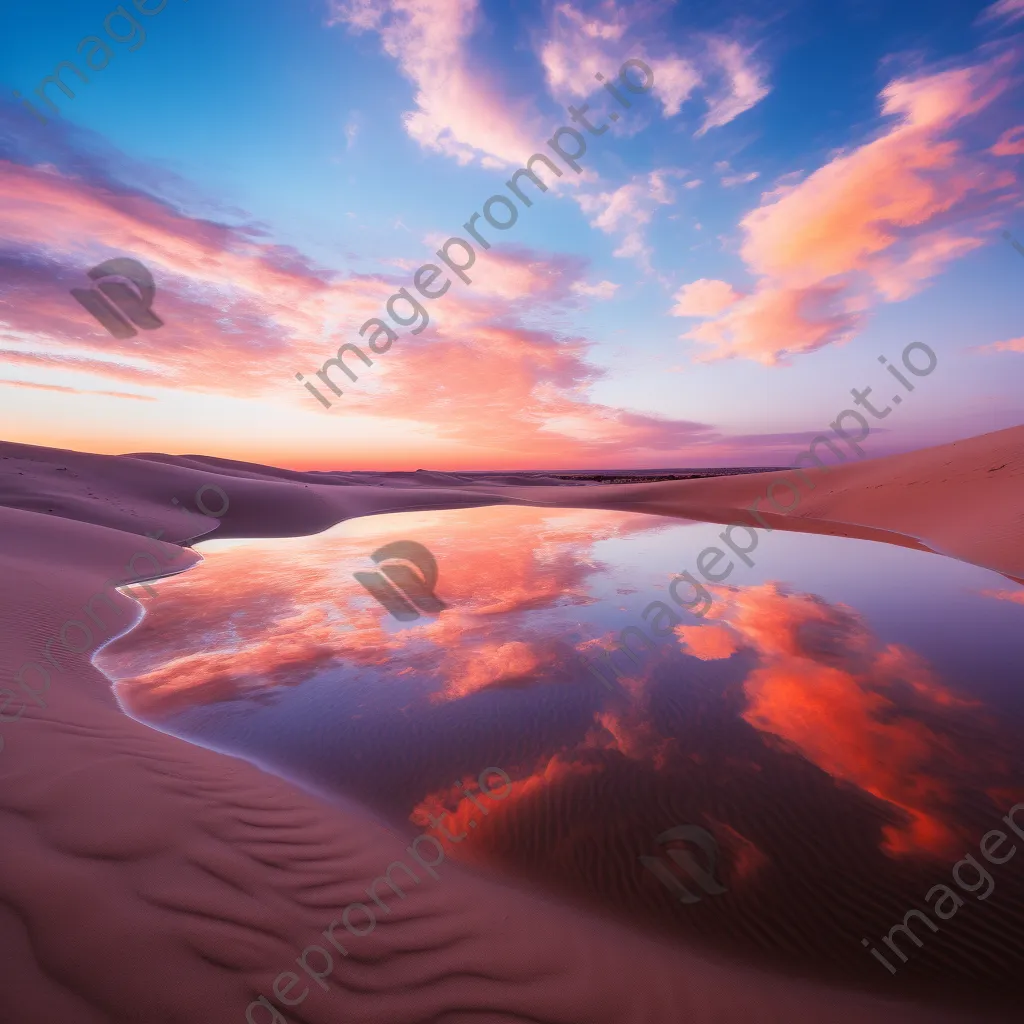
[143,879]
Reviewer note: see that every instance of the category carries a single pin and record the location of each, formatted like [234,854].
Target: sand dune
[143,879]
[964,499]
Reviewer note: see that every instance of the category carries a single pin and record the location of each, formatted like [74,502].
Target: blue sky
[282,168]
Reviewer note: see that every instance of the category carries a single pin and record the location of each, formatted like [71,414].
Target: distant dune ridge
[145,879]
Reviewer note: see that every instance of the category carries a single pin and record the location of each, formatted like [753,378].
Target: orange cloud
[533,385]
[746,859]
[774,323]
[287,625]
[234,302]
[101,367]
[874,224]
[1013,345]
[514,273]
[75,391]
[709,643]
[462,815]
[1016,596]
[632,733]
[491,664]
[704,298]
[871,715]
[246,316]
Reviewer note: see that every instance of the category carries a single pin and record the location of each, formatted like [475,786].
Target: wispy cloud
[352,128]
[460,108]
[1003,10]
[246,315]
[627,210]
[583,40]
[1013,345]
[1010,143]
[75,391]
[730,179]
[601,290]
[743,83]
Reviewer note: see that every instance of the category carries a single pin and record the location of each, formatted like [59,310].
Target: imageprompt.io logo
[704,877]
[1013,241]
[404,593]
[125,292]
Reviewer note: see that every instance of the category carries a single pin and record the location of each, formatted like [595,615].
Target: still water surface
[845,722]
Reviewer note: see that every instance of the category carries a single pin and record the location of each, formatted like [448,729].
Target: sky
[771,198]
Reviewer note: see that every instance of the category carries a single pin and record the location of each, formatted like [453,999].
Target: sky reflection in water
[845,721]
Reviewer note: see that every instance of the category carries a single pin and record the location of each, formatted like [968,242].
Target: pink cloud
[533,385]
[513,273]
[1016,596]
[632,733]
[246,316]
[743,83]
[1011,142]
[911,267]
[579,46]
[704,298]
[1007,10]
[628,209]
[674,82]
[582,42]
[490,665]
[874,224]
[460,111]
[282,628]
[1013,345]
[601,290]
[774,323]
[732,180]
[234,301]
[100,367]
[871,714]
[75,391]
[709,643]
